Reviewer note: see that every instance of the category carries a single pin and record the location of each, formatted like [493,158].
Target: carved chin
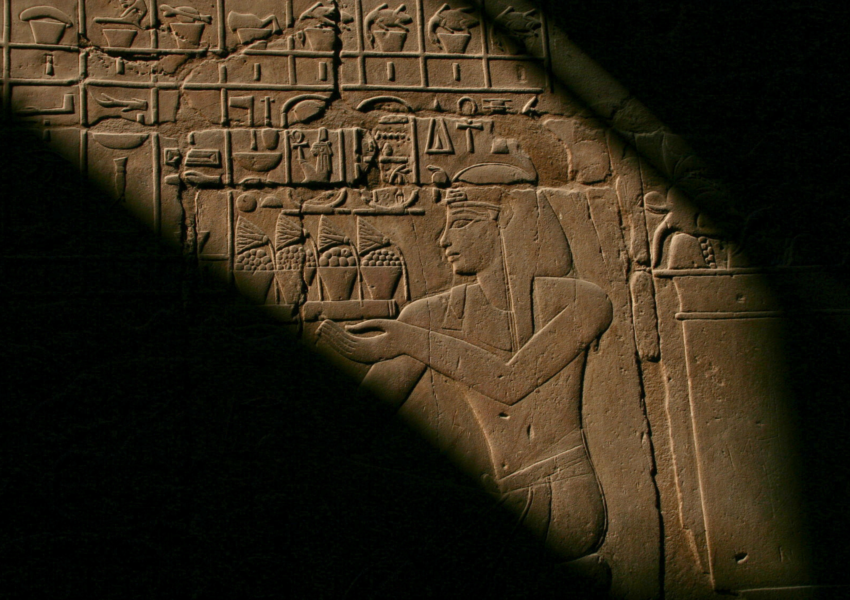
[461,268]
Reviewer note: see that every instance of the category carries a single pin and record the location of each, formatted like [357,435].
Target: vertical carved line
[157,183]
[7,59]
[420,30]
[485,46]
[84,151]
[84,119]
[228,158]
[154,100]
[414,142]
[152,11]
[231,242]
[288,16]
[361,60]
[290,63]
[287,158]
[81,16]
[222,79]
[84,101]
[221,30]
[340,152]
[547,59]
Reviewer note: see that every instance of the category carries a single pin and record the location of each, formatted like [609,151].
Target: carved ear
[505,216]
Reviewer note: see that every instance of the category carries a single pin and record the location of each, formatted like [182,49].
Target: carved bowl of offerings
[338,271]
[254,272]
[289,262]
[381,271]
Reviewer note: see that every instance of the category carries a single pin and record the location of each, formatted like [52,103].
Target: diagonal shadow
[162,436]
[151,423]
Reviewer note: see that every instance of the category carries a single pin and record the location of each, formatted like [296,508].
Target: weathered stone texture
[459,209]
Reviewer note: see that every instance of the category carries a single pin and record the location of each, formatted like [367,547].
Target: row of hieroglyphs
[304,24]
[129,59]
[231,90]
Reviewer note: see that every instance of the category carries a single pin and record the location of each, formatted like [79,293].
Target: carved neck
[494,283]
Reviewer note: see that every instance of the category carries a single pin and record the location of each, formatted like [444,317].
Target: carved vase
[188,35]
[254,285]
[454,43]
[46,31]
[391,41]
[289,285]
[321,40]
[338,281]
[381,282]
[119,38]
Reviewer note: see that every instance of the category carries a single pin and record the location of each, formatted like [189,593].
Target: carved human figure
[492,369]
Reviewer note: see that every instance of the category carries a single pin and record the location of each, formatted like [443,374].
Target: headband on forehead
[457,198]
[467,204]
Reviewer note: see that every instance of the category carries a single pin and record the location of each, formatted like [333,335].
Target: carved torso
[464,421]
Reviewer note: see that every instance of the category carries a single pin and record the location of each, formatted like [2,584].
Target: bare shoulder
[588,301]
[427,313]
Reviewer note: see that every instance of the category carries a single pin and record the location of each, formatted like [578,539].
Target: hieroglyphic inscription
[363,162]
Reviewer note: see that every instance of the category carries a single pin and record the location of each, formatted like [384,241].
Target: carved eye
[461,223]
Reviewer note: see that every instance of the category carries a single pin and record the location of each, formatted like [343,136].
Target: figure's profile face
[470,239]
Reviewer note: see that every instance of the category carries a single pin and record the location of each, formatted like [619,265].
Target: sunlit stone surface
[458,208]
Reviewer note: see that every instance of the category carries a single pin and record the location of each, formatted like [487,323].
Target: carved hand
[393,338]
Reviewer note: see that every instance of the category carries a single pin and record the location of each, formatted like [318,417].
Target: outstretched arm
[551,349]
[393,380]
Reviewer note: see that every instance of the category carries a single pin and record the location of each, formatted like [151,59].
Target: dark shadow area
[163,440]
[759,91]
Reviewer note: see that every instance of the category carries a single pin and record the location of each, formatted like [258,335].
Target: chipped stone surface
[454,205]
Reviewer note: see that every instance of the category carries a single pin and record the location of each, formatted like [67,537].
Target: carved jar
[390,41]
[454,43]
[119,38]
[321,40]
[47,31]
[187,35]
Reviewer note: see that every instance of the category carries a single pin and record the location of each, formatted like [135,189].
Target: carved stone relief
[427,193]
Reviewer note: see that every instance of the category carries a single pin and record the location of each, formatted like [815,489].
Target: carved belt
[565,465]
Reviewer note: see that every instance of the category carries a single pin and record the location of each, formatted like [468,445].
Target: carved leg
[577,517]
